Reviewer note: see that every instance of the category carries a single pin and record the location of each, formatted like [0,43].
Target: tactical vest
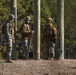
[49,33]
[49,30]
[11,28]
[25,31]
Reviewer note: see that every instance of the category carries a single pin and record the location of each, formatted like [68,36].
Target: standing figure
[9,35]
[26,31]
[49,38]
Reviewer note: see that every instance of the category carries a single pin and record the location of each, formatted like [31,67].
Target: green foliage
[2,51]
[48,9]
[52,5]
[4,11]
[45,12]
[70,23]
[3,15]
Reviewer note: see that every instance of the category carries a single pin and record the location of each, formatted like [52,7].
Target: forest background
[48,9]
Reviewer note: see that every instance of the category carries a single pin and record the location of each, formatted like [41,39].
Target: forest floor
[38,67]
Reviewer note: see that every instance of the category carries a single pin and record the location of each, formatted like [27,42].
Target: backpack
[3,29]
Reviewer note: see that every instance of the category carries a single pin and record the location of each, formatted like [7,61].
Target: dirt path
[38,67]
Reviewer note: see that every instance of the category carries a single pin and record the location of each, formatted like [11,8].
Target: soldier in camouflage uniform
[49,37]
[26,32]
[9,34]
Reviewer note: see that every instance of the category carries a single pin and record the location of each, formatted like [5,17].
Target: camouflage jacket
[25,31]
[9,30]
[50,34]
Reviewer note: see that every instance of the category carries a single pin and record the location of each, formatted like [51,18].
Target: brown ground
[38,67]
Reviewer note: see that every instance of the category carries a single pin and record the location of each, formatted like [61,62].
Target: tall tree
[37,29]
[60,23]
[14,11]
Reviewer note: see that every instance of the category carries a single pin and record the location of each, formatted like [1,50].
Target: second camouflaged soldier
[26,32]
[9,34]
[49,37]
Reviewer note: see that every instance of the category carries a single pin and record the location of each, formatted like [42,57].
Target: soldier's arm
[32,29]
[7,28]
[28,31]
[54,34]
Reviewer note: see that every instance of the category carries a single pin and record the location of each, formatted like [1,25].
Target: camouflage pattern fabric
[9,34]
[49,37]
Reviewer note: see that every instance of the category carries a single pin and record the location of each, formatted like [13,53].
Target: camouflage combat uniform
[49,37]
[9,34]
[26,32]
[9,38]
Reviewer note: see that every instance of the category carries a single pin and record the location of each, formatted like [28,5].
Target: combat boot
[51,56]
[8,61]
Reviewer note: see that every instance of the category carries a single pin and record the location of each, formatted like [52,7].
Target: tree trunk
[37,29]
[14,11]
[60,27]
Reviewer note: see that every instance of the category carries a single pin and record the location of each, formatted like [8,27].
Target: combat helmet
[50,19]
[28,18]
[11,16]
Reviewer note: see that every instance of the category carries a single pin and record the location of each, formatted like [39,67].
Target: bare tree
[60,27]
[14,11]
[37,29]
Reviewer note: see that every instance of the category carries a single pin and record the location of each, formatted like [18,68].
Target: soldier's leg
[46,51]
[52,50]
[25,48]
[28,47]
[23,52]
[9,49]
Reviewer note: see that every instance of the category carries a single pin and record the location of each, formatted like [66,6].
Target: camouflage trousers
[9,46]
[49,50]
[26,48]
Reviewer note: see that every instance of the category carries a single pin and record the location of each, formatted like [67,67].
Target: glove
[54,40]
